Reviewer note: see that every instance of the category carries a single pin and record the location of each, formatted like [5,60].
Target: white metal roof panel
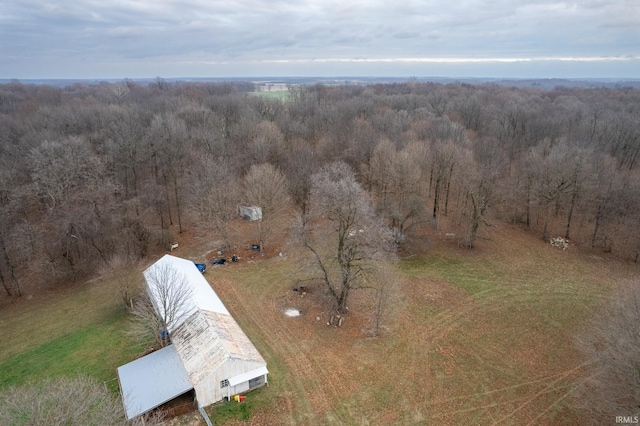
[244,377]
[152,380]
[203,297]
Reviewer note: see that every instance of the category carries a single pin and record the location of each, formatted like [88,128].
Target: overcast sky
[247,38]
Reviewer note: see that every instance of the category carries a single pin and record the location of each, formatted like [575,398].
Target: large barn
[209,354]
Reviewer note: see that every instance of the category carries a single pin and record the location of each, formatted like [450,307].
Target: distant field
[479,337]
[282,95]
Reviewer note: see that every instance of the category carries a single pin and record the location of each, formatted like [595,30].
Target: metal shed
[251,212]
[152,380]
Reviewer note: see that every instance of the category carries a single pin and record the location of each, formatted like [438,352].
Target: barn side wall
[209,391]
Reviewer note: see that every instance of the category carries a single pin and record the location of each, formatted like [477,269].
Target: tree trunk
[476,216]
[547,219]
[446,198]
[175,191]
[436,194]
[574,196]
[4,284]
[529,204]
[16,283]
[167,198]
[344,295]
[430,182]
[597,226]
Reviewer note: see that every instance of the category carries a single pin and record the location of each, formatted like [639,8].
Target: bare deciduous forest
[96,177]
[90,172]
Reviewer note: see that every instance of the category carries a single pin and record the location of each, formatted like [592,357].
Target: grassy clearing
[241,287]
[501,351]
[478,337]
[79,331]
[281,96]
[225,412]
[95,350]
[482,336]
[30,323]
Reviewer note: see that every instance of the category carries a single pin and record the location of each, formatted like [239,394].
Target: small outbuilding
[251,212]
[209,354]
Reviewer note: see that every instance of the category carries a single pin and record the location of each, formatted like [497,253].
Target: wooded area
[89,172]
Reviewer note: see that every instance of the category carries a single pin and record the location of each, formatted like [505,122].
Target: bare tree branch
[342,233]
[64,401]
[611,342]
[166,302]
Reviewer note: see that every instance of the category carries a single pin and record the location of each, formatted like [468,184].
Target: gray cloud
[92,38]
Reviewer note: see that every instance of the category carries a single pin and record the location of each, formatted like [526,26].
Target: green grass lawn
[95,350]
[281,96]
[79,331]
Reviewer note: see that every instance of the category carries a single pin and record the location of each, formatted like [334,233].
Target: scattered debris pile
[336,320]
[560,242]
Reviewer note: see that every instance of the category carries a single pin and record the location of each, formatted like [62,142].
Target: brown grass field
[482,336]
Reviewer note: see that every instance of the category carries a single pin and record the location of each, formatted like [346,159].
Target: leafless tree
[125,277]
[146,325]
[553,175]
[214,192]
[397,183]
[384,282]
[473,111]
[165,302]
[267,187]
[343,234]
[10,282]
[299,168]
[611,342]
[64,171]
[168,142]
[266,145]
[124,149]
[90,172]
[579,176]
[444,157]
[438,100]
[64,401]
[481,173]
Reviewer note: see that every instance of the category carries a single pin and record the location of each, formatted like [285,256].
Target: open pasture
[481,336]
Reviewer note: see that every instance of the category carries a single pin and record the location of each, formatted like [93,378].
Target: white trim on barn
[214,353]
[245,377]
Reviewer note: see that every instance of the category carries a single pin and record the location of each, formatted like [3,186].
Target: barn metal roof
[152,380]
[207,340]
[203,297]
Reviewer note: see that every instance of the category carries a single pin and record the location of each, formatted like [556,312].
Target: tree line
[93,171]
